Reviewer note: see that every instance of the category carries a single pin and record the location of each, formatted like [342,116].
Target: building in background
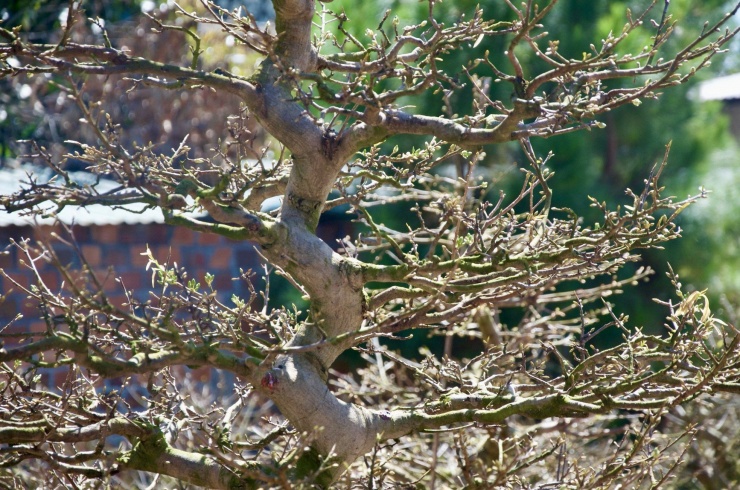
[726,89]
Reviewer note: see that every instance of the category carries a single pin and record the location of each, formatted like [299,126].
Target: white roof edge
[11,181]
[720,88]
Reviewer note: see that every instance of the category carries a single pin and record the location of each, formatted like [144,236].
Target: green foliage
[602,163]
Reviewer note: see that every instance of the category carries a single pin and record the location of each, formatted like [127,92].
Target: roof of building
[721,88]
[14,179]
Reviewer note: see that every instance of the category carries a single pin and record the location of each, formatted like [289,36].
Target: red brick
[222,282]
[57,377]
[8,309]
[135,280]
[51,279]
[18,330]
[168,255]
[105,233]
[36,325]
[43,233]
[7,258]
[30,308]
[209,238]
[105,276]
[220,258]
[182,236]
[137,259]
[118,300]
[93,254]
[196,272]
[197,260]
[23,278]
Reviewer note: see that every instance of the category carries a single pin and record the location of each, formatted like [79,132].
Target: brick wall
[115,251]
[120,247]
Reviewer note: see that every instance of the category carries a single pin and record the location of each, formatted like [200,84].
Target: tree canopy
[522,284]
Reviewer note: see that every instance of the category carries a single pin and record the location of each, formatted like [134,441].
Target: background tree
[520,406]
[602,163]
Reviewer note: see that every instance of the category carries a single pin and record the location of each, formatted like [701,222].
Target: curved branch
[109,61]
[141,363]
[43,431]
[155,455]
[400,422]
[392,121]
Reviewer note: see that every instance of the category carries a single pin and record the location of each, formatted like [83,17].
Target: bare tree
[521,412]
